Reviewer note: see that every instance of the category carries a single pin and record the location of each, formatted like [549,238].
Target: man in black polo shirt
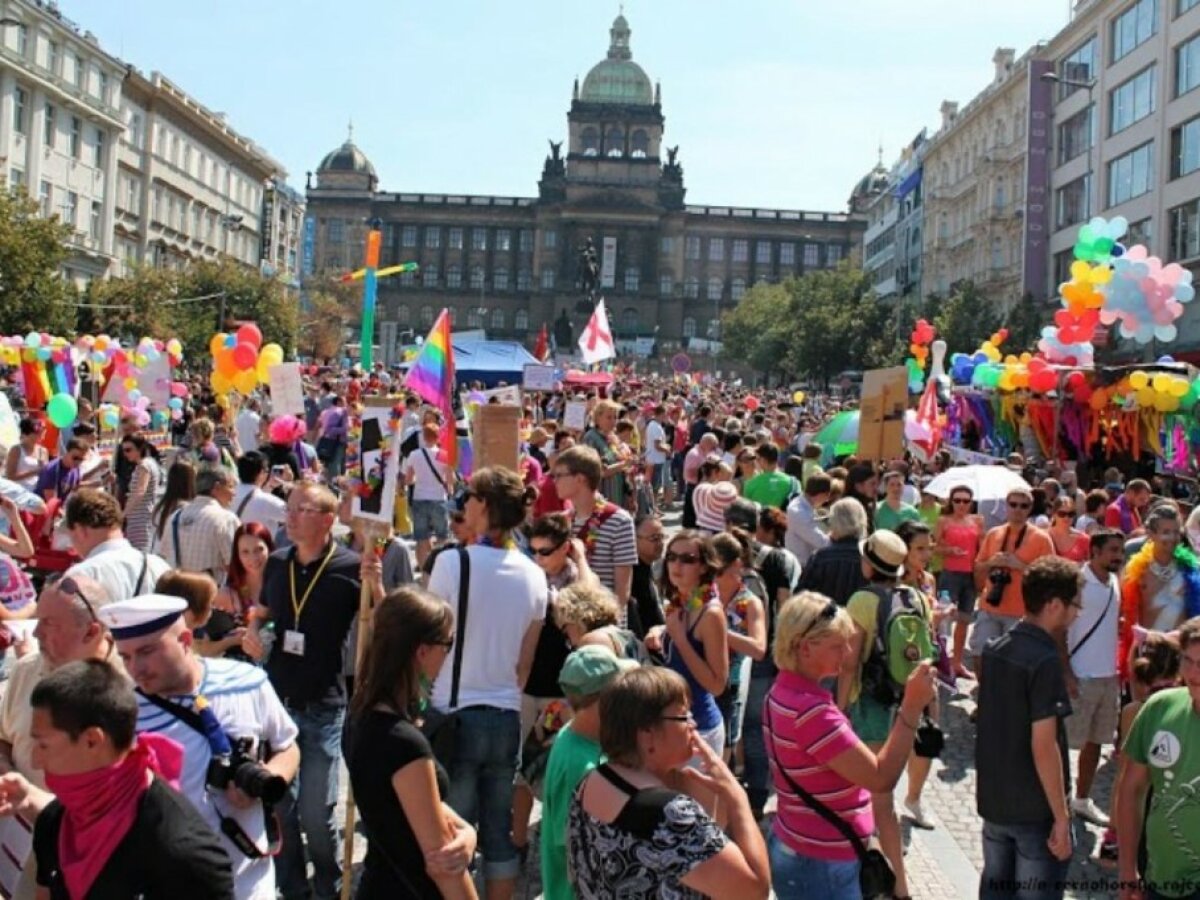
[311,591]
[1021,742]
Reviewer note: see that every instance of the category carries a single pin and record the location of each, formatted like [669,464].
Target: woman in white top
[506,605]
[145,485]
[27,457]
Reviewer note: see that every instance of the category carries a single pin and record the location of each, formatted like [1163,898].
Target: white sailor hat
[142,615]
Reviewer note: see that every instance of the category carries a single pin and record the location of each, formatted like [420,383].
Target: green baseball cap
[589,670]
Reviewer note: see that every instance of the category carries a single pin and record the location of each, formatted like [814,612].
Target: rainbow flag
[432,379]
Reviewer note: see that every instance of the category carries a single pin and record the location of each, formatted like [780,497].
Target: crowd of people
[193,682]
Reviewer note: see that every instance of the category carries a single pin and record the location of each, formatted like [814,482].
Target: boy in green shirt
[770,487]
[575,752]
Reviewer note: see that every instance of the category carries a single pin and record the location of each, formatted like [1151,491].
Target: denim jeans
[796,877]
[1018,864]
[310,806]
[486,753]
[758,771]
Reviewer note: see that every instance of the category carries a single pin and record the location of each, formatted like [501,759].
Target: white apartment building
[189,186]
[1127,132]
[977,225]
[282,227]
[60,97]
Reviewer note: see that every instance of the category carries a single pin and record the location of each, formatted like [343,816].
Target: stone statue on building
[555,166]
[673,170]
[589,268]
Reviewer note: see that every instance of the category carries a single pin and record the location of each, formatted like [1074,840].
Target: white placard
[509,395]
[575,415]
[10,432]
[537,378]
[608,263]
[378,468]
[287,389]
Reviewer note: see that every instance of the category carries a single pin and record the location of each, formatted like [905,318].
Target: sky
[773,103]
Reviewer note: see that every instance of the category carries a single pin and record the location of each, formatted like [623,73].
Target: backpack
[902,641]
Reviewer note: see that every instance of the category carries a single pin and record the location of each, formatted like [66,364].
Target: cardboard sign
[537,378]
[380,463]
[496,435]
[881,417]
[287,389]
[509,395]
[575,415]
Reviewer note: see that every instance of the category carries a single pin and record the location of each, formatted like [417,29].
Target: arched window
[632,280]
[691,287]
[629,321]
[715,288]
[476,278]
[639,144]
[475,317]
[454,276]
[589,139]
[689,327]
[521,321]
[498,319]
[500,279]
[738,289]
[614,142]
[429,275]
[402,315]
[426,316]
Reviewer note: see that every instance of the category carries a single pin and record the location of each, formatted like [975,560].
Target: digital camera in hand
[243,770]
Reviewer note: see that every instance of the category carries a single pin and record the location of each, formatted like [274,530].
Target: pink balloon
[179,389]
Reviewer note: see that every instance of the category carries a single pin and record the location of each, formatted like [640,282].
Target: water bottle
[945,604]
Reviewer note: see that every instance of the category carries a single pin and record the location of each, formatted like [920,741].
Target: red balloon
[245,356]
[249,334]
[1043,380]
[751,403]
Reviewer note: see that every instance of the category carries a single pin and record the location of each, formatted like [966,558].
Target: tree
[322,330]
[1025,322]
[133,307]
[965,319]
[33,294]
[758,330]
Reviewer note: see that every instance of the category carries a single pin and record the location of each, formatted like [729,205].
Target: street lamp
[1090,86]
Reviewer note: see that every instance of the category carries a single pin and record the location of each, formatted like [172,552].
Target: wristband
[905,722]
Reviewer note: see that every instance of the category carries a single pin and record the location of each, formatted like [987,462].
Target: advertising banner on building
[309,248]
[268,223]
[608,263]
[1036,268]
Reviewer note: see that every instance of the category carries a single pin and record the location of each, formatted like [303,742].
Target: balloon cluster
[1160,391]
[48,371]
[1085,296]
[922,335]
[1146,297]
[241,361]
[963,366]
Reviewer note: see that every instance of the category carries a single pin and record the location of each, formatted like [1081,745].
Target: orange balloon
[225,363]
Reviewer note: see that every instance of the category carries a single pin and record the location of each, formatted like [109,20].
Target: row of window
[52,127]
[68,209]
[197,163]
[70,67]
[739,251]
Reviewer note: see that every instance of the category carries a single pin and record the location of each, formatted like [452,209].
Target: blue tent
[491,361]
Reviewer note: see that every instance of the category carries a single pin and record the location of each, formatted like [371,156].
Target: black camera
[243,770]
[999,579]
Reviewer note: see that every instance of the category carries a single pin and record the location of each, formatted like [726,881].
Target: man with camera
[239,744]
[1006,552]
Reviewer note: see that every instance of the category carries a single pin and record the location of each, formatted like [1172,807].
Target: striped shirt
[616,545]
[804,730]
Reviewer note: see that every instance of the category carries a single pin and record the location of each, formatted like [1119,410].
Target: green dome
[618,79]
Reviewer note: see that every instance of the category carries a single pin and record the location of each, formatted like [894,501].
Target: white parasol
[985,482]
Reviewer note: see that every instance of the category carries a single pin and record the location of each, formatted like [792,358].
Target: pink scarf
[100,807]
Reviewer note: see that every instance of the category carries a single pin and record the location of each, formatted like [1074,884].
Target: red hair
[236,577]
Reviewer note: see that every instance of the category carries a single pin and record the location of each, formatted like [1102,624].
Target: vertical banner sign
[608,263]
[268,223]
[380,461]
[366,345]
[1036,270]
[308,250]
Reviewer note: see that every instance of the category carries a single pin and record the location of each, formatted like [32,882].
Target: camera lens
[256,780]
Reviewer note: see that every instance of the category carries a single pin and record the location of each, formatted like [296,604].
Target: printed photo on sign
[377,496]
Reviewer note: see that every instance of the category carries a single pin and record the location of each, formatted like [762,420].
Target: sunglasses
[71,588]
[1065,514]
[687,559]
[686,718]
[961,501]
[826,615]
[448,643]
[1015,505]
[548,551]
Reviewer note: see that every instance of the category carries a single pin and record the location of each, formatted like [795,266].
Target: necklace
[591,528]
[695,601]
[1162,571]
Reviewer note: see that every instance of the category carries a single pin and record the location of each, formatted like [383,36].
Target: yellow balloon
[1139,380]
[223,400]
[245,381]
[1178,388]
[260,369]
[1161,383]
[272,353]
[1162,402]
[221,384]
[1145,396]
[216,342]
[798,396]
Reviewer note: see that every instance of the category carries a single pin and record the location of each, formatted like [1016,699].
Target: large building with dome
[507,265]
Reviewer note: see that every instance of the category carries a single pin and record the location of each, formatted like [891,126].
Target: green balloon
[62,410]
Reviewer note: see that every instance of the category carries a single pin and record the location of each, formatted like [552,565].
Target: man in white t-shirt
[658,451]
[1092,678]
[247,425]
[430,482]
[251,503]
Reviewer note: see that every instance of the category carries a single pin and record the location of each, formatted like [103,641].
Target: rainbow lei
[1131,594]
[591,528]
[697,600]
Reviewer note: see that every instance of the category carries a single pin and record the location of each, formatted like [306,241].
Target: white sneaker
[917,813]
[1088,811]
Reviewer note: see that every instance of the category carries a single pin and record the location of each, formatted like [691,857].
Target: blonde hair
[588,604]
[805,617]
[607,406]
[322,496]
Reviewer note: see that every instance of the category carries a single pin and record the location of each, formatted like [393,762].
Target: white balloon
[938,369]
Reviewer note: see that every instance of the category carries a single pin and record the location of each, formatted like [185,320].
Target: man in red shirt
[1125,513]
[548,500]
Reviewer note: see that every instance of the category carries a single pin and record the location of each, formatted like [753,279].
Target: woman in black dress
[417,847]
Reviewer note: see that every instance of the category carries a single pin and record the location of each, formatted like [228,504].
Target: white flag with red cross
[596,343]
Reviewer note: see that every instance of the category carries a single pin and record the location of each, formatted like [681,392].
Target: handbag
[441,728]
[875,876]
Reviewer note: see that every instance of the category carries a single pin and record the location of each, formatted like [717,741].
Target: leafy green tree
[133,307]
[759,330]
[33,294]
[965,319]
[1025,322]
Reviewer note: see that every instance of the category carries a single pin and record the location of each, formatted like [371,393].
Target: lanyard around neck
[298,607]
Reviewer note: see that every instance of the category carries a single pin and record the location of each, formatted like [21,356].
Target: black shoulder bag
[1112,591]
[875,876]
[441,728]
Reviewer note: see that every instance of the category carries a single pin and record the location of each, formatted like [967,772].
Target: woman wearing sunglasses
[1069,542]
[957,536]
[694,641]
[814,748]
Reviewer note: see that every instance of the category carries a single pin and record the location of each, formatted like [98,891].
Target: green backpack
[903,639]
